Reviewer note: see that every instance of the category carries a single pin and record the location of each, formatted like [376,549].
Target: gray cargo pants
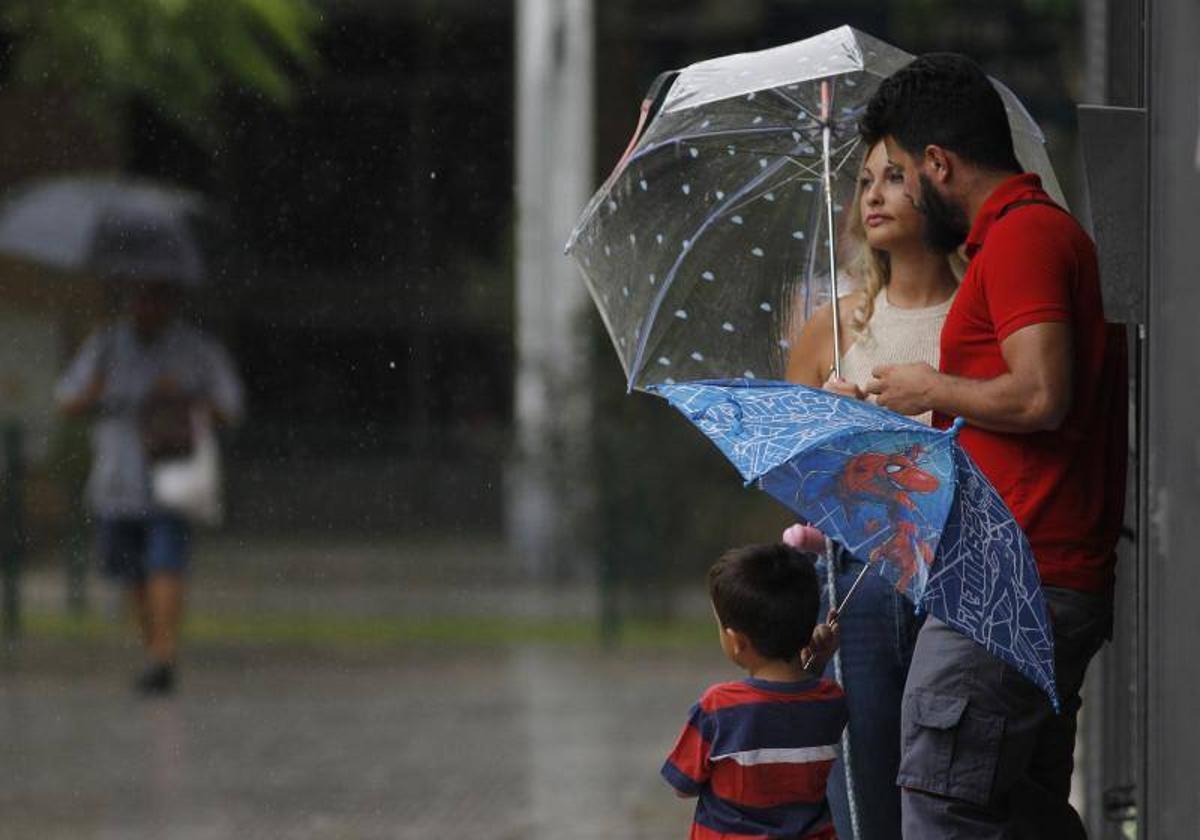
[983,755]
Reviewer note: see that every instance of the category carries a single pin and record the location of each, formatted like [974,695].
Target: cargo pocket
[950,748]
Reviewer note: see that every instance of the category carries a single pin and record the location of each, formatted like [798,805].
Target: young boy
[757,752]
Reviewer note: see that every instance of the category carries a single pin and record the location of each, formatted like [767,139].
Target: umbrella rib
[814,225]
[669,279]
[790,179]
[811,170]
[850,147]
[799,176]
[654,147]
[795,103]
[775,153]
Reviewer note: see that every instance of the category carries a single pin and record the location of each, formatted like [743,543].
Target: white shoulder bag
[191,486]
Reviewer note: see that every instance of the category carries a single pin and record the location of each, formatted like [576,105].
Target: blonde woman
[895,317]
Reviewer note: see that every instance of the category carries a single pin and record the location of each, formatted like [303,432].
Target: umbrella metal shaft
[847,758]
[853,587]
[827,174]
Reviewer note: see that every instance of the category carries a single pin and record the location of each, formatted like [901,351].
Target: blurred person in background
[147,382]
[895,317]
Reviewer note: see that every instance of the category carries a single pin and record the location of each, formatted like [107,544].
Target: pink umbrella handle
[804,538]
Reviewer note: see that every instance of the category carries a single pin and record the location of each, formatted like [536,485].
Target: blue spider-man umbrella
[903,497]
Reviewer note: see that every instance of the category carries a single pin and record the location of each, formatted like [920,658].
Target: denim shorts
[132,549]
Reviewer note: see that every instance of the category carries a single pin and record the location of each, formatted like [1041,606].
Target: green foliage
[364,633]
[174,54]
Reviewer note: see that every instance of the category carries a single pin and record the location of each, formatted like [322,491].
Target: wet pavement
[553,741]
[534,742]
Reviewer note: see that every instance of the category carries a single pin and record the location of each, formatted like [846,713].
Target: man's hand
[905,389]
[838,385]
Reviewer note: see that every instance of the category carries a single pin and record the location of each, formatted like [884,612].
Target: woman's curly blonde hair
[871,267]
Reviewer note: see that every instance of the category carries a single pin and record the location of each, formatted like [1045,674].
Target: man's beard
[946,224]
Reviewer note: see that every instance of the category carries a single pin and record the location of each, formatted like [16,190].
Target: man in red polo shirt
[1022,361]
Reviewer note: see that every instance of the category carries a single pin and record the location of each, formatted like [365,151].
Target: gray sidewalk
[387,740]
[535,742]
[391,577]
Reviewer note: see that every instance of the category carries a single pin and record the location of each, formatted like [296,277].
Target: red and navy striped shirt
[758,754]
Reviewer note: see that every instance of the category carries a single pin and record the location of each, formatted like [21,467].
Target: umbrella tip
[956,426]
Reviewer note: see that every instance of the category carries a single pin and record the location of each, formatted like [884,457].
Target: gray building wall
[1172,795]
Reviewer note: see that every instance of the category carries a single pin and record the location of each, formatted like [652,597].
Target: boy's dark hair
[942,99]
[768,592]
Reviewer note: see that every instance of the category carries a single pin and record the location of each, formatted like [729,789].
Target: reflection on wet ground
[533,741]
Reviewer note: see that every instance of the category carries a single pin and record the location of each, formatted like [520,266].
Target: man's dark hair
[768,592]
[942,99]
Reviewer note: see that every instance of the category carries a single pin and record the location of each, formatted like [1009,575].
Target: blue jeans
[132,549]
[878,633]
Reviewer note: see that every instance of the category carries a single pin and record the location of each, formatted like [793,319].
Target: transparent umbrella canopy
[715,236]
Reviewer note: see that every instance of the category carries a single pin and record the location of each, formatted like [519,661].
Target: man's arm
[1034,396]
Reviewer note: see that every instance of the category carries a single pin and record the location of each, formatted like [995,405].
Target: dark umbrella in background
[108,226]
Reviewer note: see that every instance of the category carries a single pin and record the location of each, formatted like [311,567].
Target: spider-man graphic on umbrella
[887,480]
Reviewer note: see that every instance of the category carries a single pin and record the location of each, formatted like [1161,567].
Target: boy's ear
[737,640]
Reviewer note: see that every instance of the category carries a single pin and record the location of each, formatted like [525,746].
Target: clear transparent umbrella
[715,236]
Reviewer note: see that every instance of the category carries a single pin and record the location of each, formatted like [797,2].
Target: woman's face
[888,215]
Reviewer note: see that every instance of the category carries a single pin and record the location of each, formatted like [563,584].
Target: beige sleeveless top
[896,336]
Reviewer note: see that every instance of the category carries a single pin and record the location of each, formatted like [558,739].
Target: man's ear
[938,164]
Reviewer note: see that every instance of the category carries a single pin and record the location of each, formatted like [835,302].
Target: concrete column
[554,134]
[1172,807]
[1095,51]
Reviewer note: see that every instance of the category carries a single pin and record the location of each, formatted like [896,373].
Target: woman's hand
[843,387]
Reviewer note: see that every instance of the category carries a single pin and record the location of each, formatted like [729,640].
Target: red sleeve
[687,768]
[1030,275]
